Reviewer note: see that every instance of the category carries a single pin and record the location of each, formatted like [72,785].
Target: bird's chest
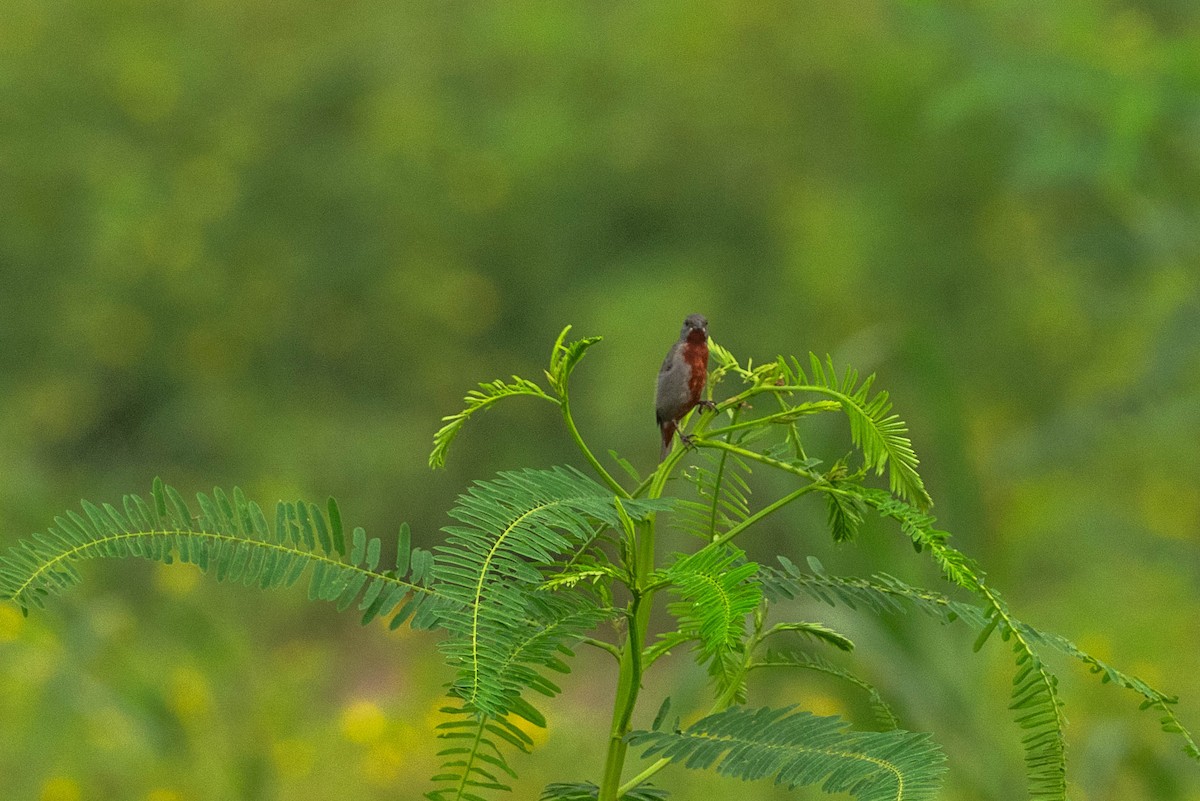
[696,358]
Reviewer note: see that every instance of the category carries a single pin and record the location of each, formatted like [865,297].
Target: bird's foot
[707,405]
[687,440]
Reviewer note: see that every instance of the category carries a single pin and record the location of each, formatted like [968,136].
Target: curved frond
[477,400]
[880,593]
[1152,698]
[801,749]
[917,525]
[884,715]
[586,791]
[513,528]
[1035,702]
[473,760]
[817,632]
[564,356]
[230,538]
[881,435]
[716,590]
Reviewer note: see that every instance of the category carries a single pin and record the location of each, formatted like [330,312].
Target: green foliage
[801,749]
[538,562]
[881,436]
[717,592]
[844,501]
[477,400]
[231,539]
[473,759]
[884,594]
[563,359]
[721,482]
[885,717]
[586,791]
[489,568]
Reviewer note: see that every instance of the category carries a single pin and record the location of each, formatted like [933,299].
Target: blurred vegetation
[266,245]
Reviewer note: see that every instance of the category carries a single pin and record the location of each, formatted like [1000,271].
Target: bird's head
[695,328]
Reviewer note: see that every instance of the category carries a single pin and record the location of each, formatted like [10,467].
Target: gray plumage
[674,397]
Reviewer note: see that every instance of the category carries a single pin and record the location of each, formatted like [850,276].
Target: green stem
[787,415]
[763,512]
[758,457]
[603,646]
[722,703]
[605,476]
[712,517]
[629,681]
[637,780]
[628,684]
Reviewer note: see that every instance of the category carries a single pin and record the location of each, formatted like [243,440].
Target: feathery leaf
[717,591]
[477,400]
[724,495]
[514,528]
[799,659]
[881,435]
[230,539]
[586,791]
[801,749]
[564,356]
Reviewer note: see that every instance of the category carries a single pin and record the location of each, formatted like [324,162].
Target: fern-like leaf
[476,401]
[1151,698]
[473,759]
[230,538]
[564,356]
[881,435]
[801,749]
[845,504]
[883,713]
[586,791]
[817,632]
[724,495]
[880,593]
[1035,702]
[492,566]
[716,594]
[886,594]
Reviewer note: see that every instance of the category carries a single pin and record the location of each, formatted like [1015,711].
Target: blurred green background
[270,245]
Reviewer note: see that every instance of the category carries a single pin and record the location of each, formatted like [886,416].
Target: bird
[681,379]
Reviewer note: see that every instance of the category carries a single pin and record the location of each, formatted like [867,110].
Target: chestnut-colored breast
[695,353]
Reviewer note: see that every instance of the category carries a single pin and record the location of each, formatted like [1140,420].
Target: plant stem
[758,457]
[712,517]
[628,685]
[763,512]
[643,776]
[629,681]
[605,476]
[603,646]
[722,703]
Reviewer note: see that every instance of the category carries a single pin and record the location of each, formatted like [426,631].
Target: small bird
[681,379]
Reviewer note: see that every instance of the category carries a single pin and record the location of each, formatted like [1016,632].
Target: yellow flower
[363,722]
[11,623]
[60,788]
[191,696]
[163,794]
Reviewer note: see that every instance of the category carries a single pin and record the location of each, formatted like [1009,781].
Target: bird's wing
[671,394]
[672,358]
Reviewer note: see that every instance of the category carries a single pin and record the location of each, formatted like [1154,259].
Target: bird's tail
[668,431]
